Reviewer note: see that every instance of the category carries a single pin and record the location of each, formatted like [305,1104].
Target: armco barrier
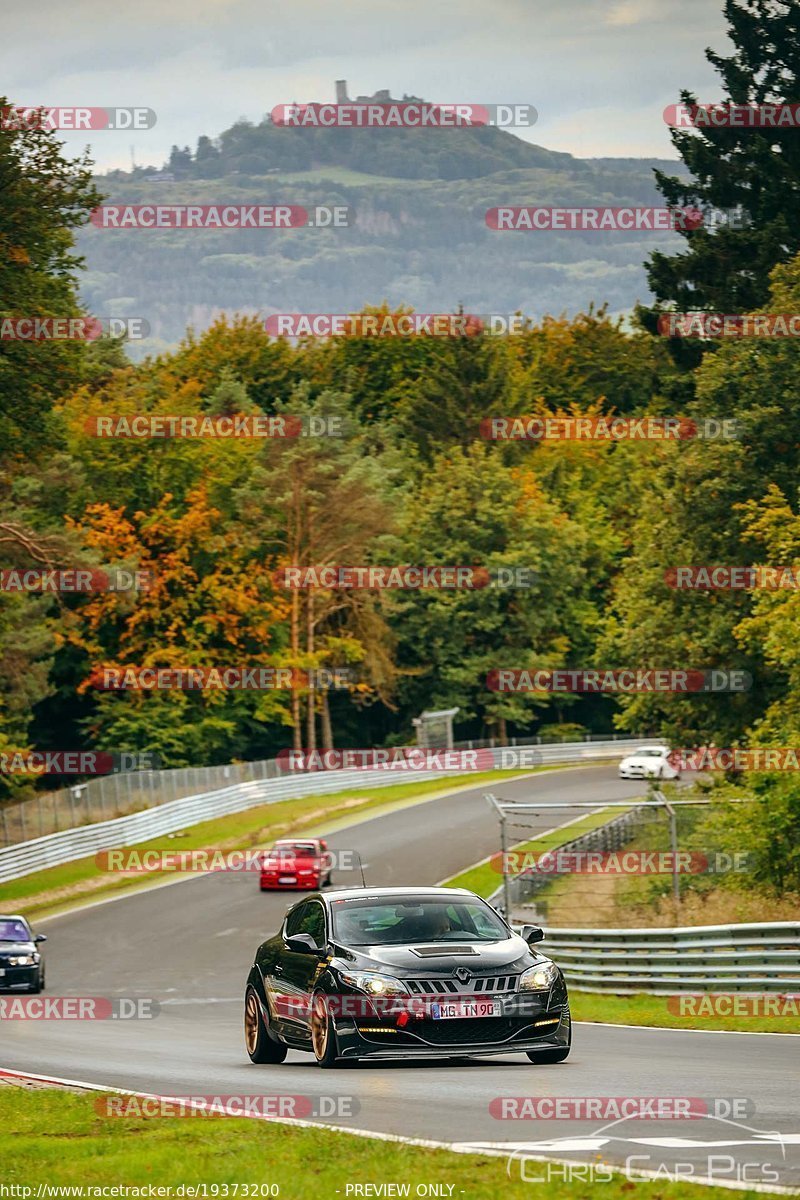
[25,857]
[700,958]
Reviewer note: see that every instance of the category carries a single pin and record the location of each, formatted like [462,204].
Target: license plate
[459,1009]
[286,879]
[2,971]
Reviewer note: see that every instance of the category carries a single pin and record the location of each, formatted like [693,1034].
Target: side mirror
[40,937]
[531,934]
[302,943]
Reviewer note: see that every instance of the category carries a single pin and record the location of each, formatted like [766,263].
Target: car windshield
[399,921]
[294,850]
[649,752]
[14,931]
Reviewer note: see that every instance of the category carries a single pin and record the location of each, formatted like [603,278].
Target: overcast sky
[600,73]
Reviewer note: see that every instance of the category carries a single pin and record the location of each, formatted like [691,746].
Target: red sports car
[294,864]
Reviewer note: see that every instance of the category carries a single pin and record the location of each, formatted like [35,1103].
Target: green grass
[484,877]
[653,1010]
[58,1138]
[60,886]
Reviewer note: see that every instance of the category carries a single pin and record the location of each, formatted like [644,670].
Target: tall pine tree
[754,169]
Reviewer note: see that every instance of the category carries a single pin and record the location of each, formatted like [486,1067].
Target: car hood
[14,948]
[478,957]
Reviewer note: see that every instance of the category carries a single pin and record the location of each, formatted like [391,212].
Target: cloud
[201,64]
[632,12]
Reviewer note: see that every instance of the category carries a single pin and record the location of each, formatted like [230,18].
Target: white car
[649,762]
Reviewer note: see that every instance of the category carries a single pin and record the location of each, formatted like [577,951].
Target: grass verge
[654,1010]
[59,1139]
[68,884]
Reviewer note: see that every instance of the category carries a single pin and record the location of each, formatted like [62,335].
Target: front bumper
[18,978]
[534,1026]
[300,885]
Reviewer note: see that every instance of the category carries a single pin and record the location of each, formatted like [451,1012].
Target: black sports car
[399,973]
[21,964]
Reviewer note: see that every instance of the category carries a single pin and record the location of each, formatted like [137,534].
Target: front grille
[478,1029]
[478,984]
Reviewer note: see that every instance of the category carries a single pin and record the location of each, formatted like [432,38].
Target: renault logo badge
[462,974]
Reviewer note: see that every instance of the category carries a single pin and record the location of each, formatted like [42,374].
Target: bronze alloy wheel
[261,1046]
[320,1027]
[251,1023]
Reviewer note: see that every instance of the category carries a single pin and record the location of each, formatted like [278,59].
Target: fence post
[673,845]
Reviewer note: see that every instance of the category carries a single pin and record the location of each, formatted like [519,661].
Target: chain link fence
[109,796]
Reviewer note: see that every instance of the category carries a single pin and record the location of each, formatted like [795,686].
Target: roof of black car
[370,892]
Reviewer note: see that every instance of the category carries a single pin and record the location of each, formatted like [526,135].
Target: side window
[313,922]
[308,917]
[295,918]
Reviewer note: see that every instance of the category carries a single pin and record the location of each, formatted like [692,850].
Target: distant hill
[419,237]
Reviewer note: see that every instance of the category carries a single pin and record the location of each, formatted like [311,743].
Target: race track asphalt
[189,945]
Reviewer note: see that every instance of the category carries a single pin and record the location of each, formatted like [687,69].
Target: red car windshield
[293,850]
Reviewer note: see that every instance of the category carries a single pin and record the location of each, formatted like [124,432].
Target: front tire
[260,1046]
[323,1033]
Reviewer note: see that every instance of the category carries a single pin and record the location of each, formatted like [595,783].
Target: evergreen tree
[756,170]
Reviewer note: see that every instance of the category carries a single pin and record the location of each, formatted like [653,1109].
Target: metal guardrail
[115,795]
[700,958]
[55,848]
[658,961]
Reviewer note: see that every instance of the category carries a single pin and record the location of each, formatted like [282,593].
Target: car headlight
[373,984]
[539,979]
[23,960]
